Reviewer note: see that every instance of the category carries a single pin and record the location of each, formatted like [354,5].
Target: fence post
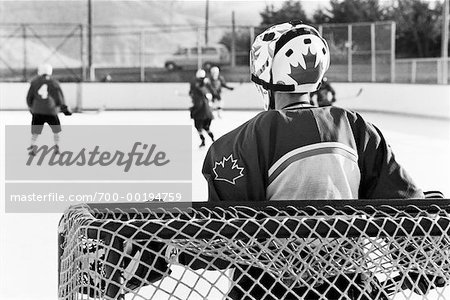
[349,53]
[142,54]
[413,71]
[439,65]
[393,62]
[373,52]
[199,49]
[233,40]
[90,43]
[79,85]
[82,54]
[444,67]
[25,54]
[252,35]
[444,41]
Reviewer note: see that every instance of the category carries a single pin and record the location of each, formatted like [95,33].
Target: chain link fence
[360,52]
[24,46]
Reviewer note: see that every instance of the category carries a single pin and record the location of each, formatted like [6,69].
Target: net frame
[308,245]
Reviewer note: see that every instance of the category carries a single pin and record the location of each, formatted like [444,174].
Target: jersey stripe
[311,150]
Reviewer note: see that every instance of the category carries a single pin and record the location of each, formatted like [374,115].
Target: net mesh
[271,250]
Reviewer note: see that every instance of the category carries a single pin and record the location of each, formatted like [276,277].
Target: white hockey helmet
[214,72]
[45,69]
[290,57]
[200,74]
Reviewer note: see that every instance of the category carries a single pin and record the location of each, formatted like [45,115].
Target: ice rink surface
[28,242]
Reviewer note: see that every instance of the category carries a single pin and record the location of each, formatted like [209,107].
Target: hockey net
[377,249]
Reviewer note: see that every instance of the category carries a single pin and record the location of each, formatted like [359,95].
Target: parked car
[187,57]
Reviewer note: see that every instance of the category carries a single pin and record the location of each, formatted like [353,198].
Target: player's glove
[65,110]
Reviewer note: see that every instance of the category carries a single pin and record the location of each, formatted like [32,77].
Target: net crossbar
[377,249]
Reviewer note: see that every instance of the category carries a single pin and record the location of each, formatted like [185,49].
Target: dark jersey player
[297,151]
[201,112]
[326,95]
[217,82]
[45,99]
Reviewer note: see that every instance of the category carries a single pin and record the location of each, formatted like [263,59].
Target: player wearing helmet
[325,95]
[201,110]
[329,152]
[295,151]
[217,82]
[45,99]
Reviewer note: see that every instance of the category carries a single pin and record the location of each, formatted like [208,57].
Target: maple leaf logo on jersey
[228,170]
[310,73]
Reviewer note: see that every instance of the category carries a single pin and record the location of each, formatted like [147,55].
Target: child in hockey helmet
[290,57]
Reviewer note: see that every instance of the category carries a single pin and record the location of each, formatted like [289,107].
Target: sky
[247,12]
[255,6]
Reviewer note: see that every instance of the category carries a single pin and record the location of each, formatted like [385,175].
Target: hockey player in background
[326,95]
[217,82]
[45,100]
[297,151]
[201,112]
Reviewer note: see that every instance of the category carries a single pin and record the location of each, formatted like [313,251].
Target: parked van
[187,57]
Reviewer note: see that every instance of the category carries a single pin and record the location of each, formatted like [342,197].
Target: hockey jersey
[44,96]
[200,109]
[305,153]
[322,94]
[216,87]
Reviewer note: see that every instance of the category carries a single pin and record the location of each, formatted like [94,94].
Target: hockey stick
[94,111]
[186,94]
[352,96]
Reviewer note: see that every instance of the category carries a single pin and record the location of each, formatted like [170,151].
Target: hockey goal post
[340,249]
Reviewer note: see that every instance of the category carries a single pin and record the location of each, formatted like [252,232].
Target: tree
[418,22]
[321,17]
[242,43]
[290,10]
[418,27]
[350,11]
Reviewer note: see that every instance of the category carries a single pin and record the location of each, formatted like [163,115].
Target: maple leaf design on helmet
[288,58]
[228,170]
[308,74]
